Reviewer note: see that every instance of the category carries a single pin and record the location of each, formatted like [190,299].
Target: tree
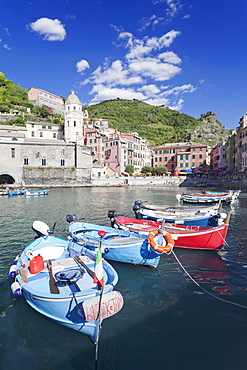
[159,170]
[129,168]
[146,169]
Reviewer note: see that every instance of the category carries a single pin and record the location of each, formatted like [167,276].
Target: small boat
[12,193]
[58,278]
[179,210]
[194,218]
[4,192]
[187,237]
[206,198]
[36,192]
[120,245]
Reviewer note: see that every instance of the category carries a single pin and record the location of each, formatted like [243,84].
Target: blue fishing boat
[16,192]
[210,217]
[58,279]
[208,197]
[120,245]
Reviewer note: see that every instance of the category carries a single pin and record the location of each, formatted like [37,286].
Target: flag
[98,269]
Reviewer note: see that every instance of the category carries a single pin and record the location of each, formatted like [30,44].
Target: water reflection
[165,313]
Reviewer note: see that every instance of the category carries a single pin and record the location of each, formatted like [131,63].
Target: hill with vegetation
[159,124]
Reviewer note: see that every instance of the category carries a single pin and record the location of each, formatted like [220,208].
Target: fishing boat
[12,193]
[36,192]
[190,218]
[60,279]
[120,245]
[207,198]
[186,237]
[179,209]
[4,192]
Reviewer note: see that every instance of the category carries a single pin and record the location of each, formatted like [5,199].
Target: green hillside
[12,95]
[158,124]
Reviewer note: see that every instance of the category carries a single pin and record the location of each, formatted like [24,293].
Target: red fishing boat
[188,237]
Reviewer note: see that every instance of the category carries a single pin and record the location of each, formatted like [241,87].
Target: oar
[80,262]
[53,287]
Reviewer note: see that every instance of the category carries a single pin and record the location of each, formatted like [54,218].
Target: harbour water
[167,322]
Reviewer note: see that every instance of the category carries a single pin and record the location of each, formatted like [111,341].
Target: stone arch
[6,179]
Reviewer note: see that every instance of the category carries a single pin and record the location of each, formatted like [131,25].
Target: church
[42,153]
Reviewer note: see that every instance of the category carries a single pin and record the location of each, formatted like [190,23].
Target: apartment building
[41,97]
[218,157]
[180,156]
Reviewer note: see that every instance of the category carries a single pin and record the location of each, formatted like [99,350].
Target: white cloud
[5,46]
[188,88]
[82,65]
[106,93]
[150,90]
[139,75]
[50,29]
[170,57]
[173,7]
[178,105]
[154,68]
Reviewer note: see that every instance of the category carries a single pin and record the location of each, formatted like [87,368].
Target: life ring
[164,248]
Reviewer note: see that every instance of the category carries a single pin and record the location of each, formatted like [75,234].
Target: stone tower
[73,119]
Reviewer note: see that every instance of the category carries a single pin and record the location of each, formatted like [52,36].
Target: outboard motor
[71,218]
[214,220]
[136,208]
[112,215]
[41,228]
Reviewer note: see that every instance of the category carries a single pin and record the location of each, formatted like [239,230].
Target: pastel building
[180,156]
[41,97]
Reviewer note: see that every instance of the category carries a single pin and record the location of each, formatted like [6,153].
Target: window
[193,156]
[41,134]
[49,127]
[74,123]
[187,156]
[200,156]
[181,157]
[165,159]
[54,135]
[43,126]
[62,162]
[12,152]
[160,159]
[32,133]
[181,164]
[25,161]
[43,161]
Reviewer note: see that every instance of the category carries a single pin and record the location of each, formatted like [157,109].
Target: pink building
[180,156]
[40,97]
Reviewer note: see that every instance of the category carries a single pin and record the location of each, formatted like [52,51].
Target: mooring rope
[206,291]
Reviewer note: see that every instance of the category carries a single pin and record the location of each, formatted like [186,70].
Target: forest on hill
[157,124]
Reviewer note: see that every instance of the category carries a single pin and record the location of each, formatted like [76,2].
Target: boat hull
[186,237]
[117,245]
[74,303]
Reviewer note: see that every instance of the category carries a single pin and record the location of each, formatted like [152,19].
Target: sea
[173,318]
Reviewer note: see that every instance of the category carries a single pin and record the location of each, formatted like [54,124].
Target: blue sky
[190,56]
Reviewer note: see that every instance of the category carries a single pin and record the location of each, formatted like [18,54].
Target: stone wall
[55,176]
